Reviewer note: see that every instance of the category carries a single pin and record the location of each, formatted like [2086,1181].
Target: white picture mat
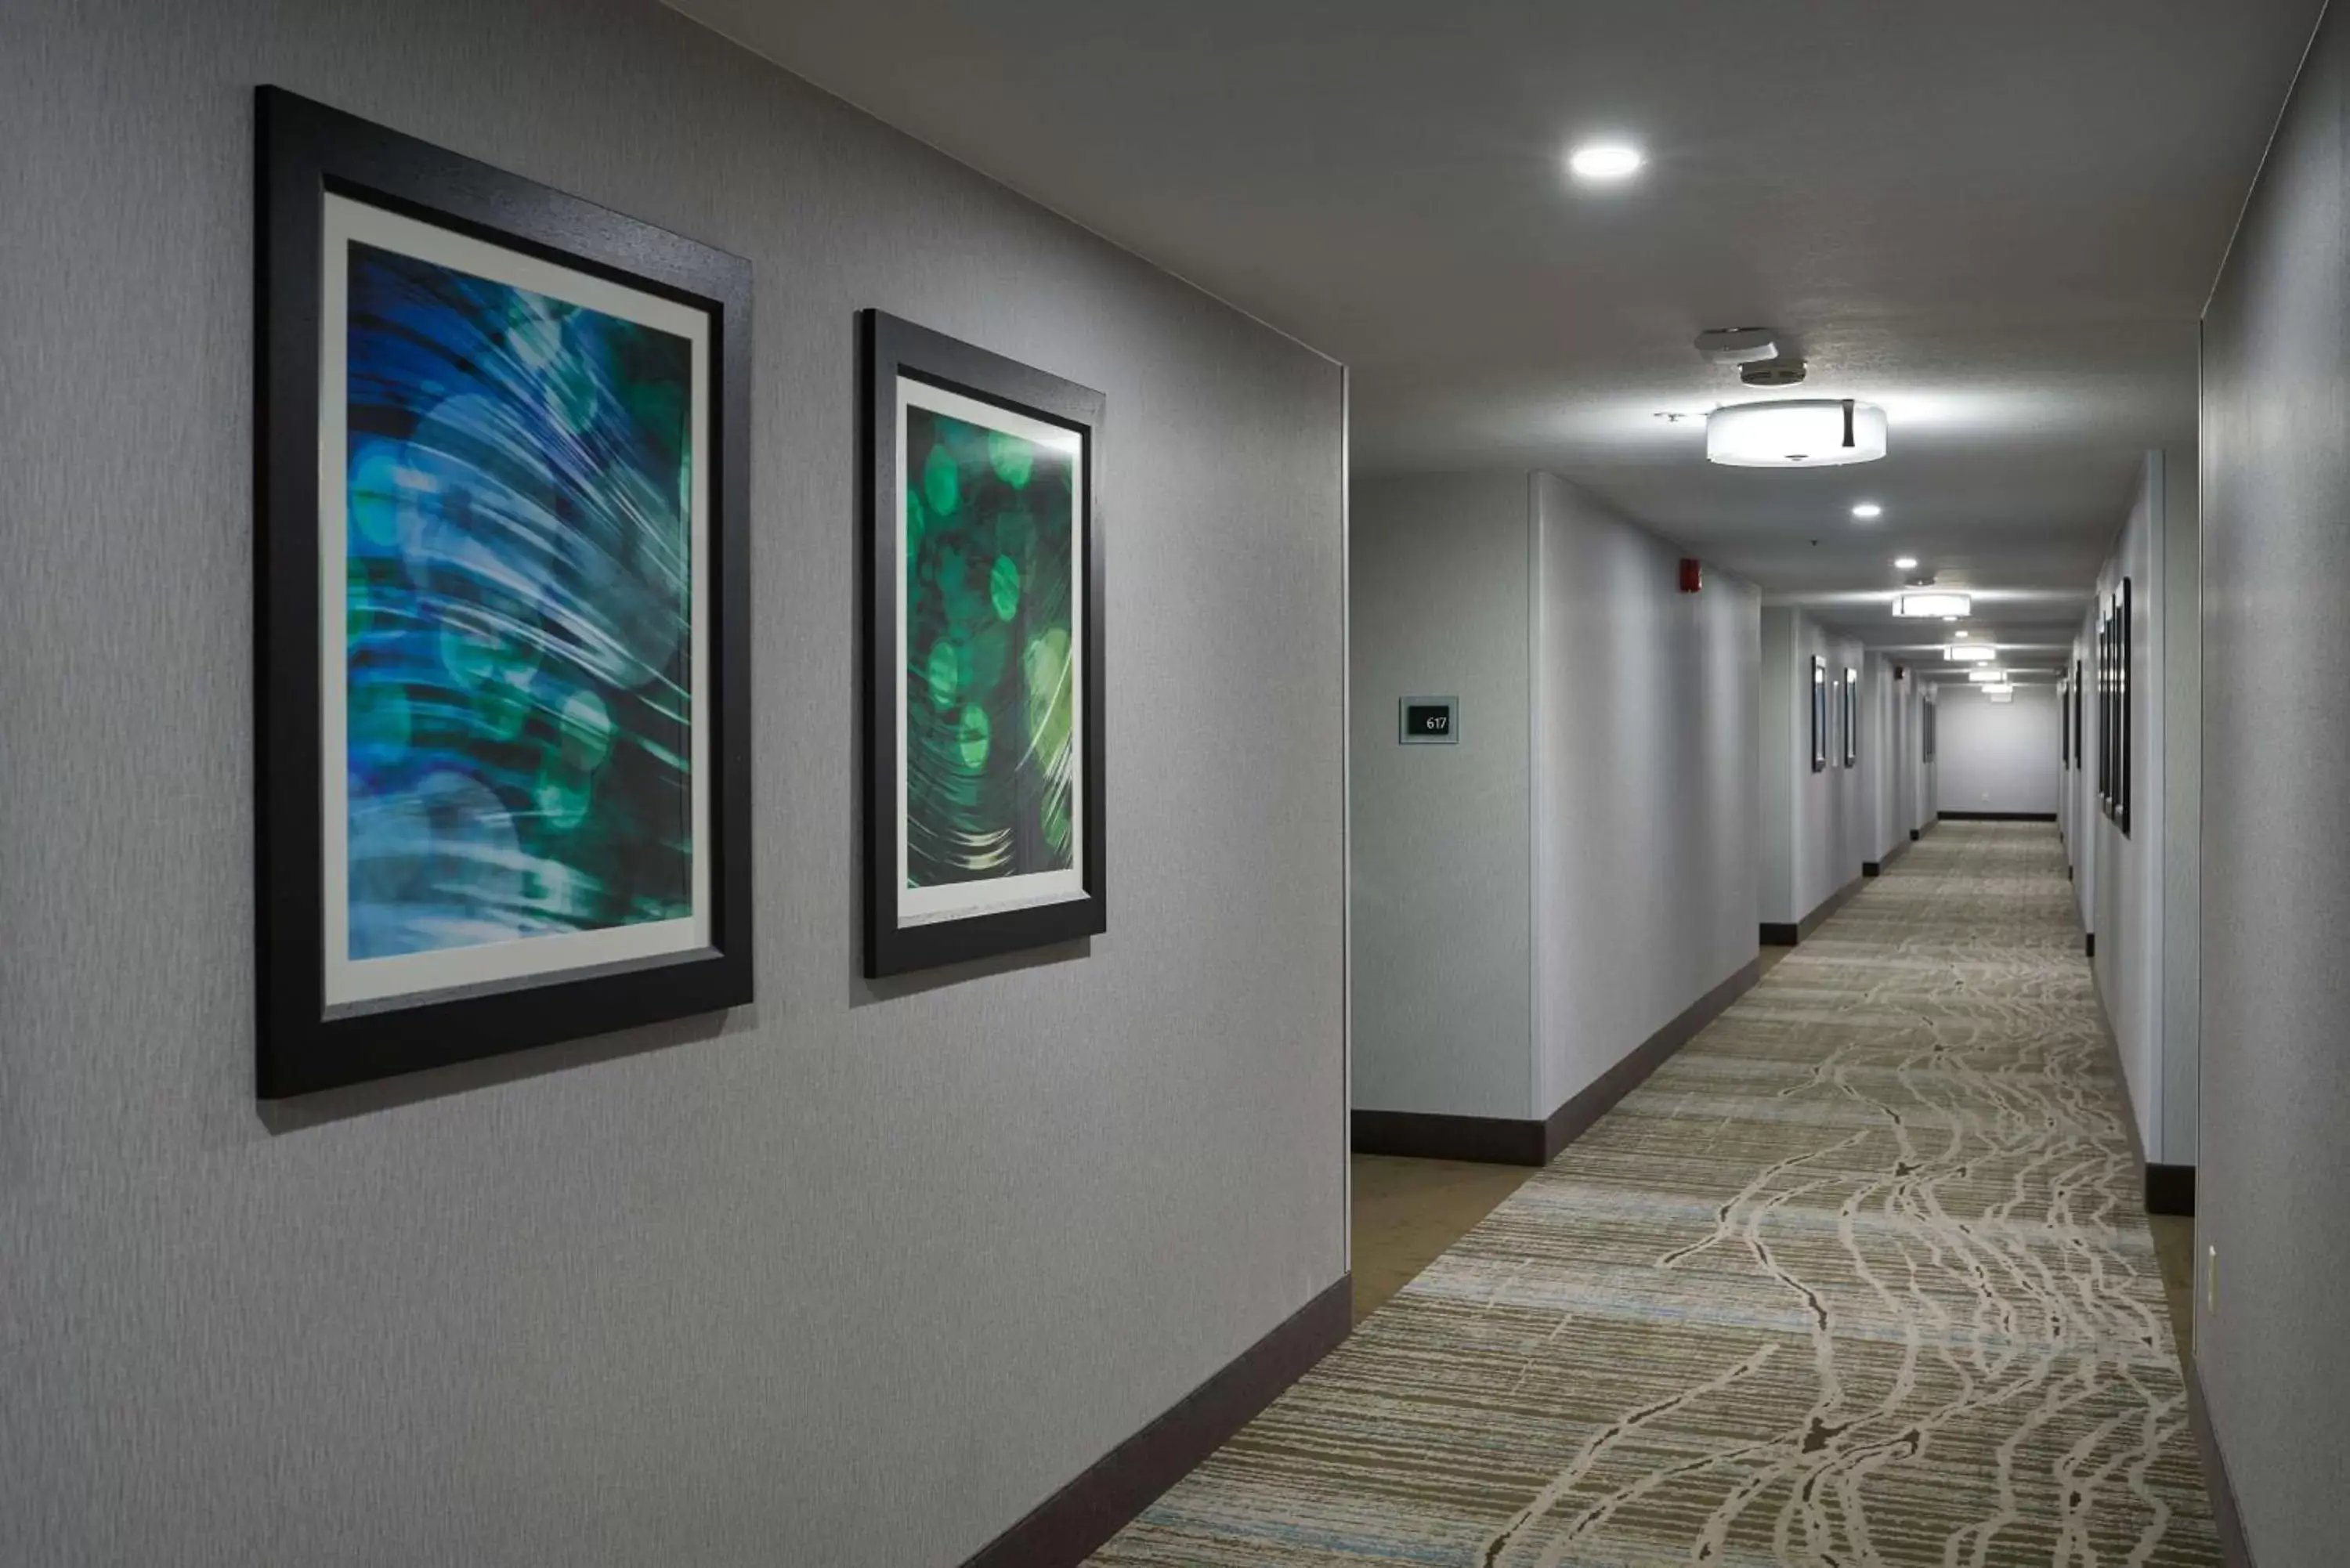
[993,895]
[368,980]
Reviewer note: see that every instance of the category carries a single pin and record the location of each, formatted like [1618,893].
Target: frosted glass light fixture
[1948,605]
[1605,160]
[1905,563]
[2000,693]
[1986,677]
[1796,432]
[1971,653]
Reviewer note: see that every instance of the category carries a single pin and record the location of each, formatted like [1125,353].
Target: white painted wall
[2273,1180]
[2127,893]
[854,1275]
[2182,677]
[1816,830]
[2000,756]
[1645,763]
[1534,903]
[1881,761]
[1442,920]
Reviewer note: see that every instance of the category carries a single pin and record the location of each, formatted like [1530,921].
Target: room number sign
[1429,722]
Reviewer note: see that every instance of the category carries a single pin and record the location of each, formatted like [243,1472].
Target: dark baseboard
[1066,1528]
[1996,816]
[2235,1549]
[1500,1140]
[1778,934]
[1876,867]
[2169,1188]
[1575,1118]
[1420,1134]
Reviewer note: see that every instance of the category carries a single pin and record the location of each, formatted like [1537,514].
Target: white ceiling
[1998,218]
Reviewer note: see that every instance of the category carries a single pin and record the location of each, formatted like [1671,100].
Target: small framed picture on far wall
[1851,717]
[1819,714]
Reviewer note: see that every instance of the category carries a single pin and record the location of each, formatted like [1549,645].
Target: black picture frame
[307,152]
[2105,681]
[2123,618]
[1851,717]
[2072,718]
[1819,714]
[893,348]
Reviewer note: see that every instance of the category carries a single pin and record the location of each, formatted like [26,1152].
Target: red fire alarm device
[1692,574]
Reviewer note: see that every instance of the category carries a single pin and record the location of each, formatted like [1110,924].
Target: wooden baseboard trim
[1067,1527]
[1501,1140]
[2169,1188]
[2235,1547]
[1996,816]
[1778,934]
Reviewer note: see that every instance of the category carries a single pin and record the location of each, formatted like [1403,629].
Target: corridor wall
[1532,904]
[1815,825]
[1441,570]
[730,1291]
[2273,1182]
[2000,757]
[1645,819]
[1885,769]
[2126,881]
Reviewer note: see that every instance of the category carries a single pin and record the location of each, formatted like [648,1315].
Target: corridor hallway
[1861,1276]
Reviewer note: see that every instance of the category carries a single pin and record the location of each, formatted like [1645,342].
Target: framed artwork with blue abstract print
[504,790]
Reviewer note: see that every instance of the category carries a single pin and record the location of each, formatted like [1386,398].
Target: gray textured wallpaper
[847,1277]
[2274,1183]
[1443,1019]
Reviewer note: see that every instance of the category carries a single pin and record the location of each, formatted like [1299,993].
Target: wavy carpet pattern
[1859,1278]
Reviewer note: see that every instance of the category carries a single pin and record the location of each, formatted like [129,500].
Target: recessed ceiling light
[1949,606]
[1605,160]
[1973,653]
[1866,509]
[1905,563]
[2000,691]
[1986,677]
[1962,633]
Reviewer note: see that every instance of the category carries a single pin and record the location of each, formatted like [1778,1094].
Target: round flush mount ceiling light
[1905,563]
[1605,160]
[1796,432]
[1868,511]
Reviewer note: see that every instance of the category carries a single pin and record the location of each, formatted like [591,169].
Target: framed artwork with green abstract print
[984,808]
[504,778]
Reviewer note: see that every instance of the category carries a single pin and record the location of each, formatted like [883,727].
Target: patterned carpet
[1859,1278]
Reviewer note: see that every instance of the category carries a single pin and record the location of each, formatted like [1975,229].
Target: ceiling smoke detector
[1737,345]
[1776,373]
